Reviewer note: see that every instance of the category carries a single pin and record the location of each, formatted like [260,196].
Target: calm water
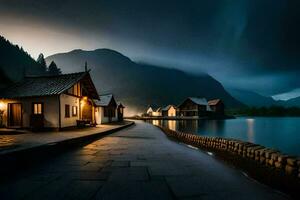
[282,133]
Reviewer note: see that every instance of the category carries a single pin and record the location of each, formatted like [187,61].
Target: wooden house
[193,107]
[149,111]
[106,109]
[153,112]
[169,111]
[51,102]
[217,106]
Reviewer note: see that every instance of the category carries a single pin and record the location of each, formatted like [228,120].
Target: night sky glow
[245,44]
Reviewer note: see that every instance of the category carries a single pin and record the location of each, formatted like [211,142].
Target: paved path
[11,143]
[136,163]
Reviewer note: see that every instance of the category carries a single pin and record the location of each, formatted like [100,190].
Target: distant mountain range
[254,99]
[139,85]
[136,85]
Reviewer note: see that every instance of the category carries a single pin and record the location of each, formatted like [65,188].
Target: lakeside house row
[57,102]
[190,107]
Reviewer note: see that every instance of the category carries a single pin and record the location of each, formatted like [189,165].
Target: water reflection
[250,129]
[279,133]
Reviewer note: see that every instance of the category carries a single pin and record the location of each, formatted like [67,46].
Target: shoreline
[269,166]
[182,118]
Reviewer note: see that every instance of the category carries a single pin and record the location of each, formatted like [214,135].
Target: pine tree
[53,69]
[42,62]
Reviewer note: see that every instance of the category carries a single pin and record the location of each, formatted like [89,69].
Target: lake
[281,133]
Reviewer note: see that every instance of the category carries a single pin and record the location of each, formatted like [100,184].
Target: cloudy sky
[245,44]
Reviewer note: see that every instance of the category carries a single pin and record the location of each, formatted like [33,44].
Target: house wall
[101,119]
[172,112]
[72,101]
[156,114]
[51,110]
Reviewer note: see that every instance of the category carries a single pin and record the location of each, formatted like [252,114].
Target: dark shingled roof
[44,85]
[214,102]
[105,100]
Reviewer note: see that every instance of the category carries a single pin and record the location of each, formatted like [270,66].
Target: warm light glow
[2,106]
[85,98]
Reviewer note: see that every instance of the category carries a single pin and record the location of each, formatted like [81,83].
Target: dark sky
[248,44]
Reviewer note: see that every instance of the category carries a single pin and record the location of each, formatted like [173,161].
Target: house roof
[167,107]
[49,85]
[214,102]
[158,109]
[104,100]
[120,105]
[199,101]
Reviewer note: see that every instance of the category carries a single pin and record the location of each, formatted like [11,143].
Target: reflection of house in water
[213,127]
[156,122]
[190,126]
[172,124]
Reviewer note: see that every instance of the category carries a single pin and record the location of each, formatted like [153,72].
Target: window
[67,111]
[74,111]
[37,108]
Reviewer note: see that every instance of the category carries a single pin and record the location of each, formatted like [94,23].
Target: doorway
[14,115]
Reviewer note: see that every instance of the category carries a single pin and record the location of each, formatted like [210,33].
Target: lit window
[37,108]
[74,110]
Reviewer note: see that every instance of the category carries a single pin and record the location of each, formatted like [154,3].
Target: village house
[107,110]
[50,102]
[169,111]
[217,106]
[193,107]
[154,112]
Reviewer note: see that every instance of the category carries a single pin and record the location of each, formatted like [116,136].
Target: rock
[290,170]
[291,161]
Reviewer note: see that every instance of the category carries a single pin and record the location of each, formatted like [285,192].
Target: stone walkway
[11,143]
[136,163]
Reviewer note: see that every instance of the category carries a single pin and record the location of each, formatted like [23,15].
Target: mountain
[138,85]
[254,99]
[15,63]
[292,102]
[251,98]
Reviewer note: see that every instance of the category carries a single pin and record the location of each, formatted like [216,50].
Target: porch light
[2,105]
[83,101]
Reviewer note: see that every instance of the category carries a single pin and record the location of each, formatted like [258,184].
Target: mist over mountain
[256,100]
[138,85]
[252,98]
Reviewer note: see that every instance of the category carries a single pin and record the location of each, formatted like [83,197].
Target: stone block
[290,170]
[291,161]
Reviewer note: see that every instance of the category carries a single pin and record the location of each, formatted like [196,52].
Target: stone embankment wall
[267,157]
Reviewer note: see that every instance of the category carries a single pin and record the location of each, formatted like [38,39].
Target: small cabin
[106,109]
[49,102]
[169,111]
[217,106]
[193,107]
[151,112]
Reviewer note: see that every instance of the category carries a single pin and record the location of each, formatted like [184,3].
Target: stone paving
[11,143]
[139,162]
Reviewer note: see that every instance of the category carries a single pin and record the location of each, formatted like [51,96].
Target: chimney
[85,66]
